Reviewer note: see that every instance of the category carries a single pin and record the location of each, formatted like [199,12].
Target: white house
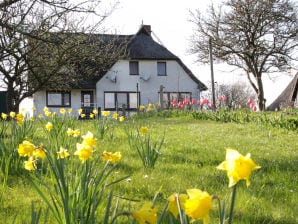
[132,81]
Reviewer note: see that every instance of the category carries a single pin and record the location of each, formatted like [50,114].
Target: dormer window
[134,68]
[161,68]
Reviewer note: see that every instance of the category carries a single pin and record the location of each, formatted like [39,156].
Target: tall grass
[191,151]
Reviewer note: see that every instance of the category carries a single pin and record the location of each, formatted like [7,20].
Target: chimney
[147,28]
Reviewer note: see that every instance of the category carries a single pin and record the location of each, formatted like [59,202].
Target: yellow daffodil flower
[62,111]
[198,204]
[47,113]
[115,115]
[40,116]
[142,107]
[146,214]
[143,130]
[69,110]
[112,157]
[121,118]
[89,139]
[173,200]
[105,113]
[69,132]
[49,126]
[76,133]
[26,148]
[83,115]
[80,111]
[94,111]
[84,152]
[63,153]
[20,119]
[238,167]
[91,115]
[4,116]
[30,164]
[39,152]
[12,114]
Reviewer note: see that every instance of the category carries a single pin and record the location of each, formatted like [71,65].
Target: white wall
[177,80]
[39,102]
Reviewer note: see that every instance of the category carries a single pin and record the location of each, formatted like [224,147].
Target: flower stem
[232,204]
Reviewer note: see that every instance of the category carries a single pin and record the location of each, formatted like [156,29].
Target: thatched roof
[139,46]
[287,97]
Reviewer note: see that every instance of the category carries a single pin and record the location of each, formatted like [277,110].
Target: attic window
[134,68]
[161,68]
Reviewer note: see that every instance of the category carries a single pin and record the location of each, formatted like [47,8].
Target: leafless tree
[43,43]
[256,36]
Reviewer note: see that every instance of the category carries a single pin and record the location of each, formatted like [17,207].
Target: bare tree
[257,36]
[43,43]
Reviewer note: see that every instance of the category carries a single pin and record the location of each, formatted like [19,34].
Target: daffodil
[89,139]
[4,116]
[26,148]
[173,203]
[39,152]
[76,133]
[80,111]
[12,114]
[69,110]
[91,116]
[20,119]
[94,111]
[49,126]
[30,164]
[63,153]
[105,113]
[198,205]
[143,130]
[112,157]
[146,214]
[115,115]
[62,111]
[142,108]
[69,132]
[238,167]
[121,118]
[84,152]
[47,113]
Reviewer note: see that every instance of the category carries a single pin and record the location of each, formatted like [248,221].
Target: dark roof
[287,97]
[139,46]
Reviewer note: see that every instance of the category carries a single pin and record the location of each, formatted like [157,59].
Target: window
[168,97]
[109,100]
[117,99]
[58,99]
[161,68]
[134,68]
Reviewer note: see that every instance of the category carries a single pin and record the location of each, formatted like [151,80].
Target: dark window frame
[165,68]
[127,100]
[132,68]
[63,102]
[168,103]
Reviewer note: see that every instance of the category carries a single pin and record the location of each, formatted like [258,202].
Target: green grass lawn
[189,156]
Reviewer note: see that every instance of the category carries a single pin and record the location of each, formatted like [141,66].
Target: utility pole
[212,73]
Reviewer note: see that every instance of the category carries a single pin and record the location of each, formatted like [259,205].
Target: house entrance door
[87,102]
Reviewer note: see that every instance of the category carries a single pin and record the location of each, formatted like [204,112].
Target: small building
[148,69]
[288,98]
